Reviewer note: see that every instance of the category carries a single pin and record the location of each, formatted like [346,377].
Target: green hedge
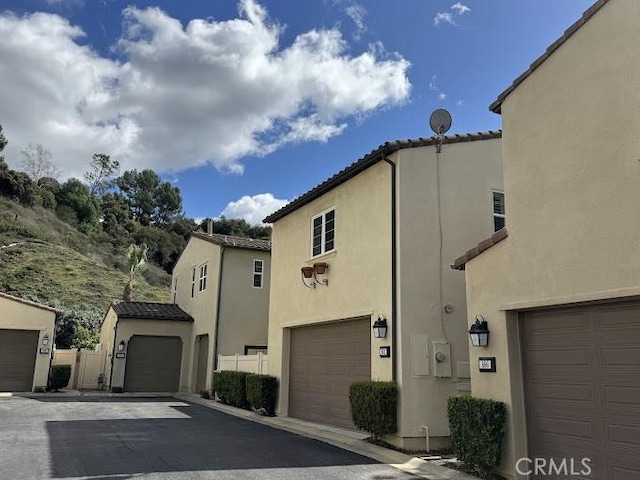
[60,375]
[477,431]
[230,387]
[374,407]
[262,393]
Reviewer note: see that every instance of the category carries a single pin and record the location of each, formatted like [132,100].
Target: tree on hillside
[136,258]
[238,227]
[37,162]
[102,174]
[3,143]
[77,206]
[150,200]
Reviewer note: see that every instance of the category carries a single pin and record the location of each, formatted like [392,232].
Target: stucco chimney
[210,227]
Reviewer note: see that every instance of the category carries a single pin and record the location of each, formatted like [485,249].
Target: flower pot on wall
[321,268]
[307,272]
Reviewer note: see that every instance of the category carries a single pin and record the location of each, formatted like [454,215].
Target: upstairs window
[175,289]
[323,230]
[498,210]
[258,272]
[202,285]
[193,282]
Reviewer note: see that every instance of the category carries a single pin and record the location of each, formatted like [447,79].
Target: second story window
[193,282]
[258,272]
[498,210]
[323,229]
[202,285]
[175,289]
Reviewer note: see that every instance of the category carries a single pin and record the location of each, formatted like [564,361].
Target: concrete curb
[352,441]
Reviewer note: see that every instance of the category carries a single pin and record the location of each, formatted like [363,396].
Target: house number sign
[487,364]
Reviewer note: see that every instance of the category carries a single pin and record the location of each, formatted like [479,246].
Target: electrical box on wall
[441,359]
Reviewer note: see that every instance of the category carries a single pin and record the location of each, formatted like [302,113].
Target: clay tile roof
[234,242]
[369,160]
[497,237]
[29,302]
[497,104]
[151,311]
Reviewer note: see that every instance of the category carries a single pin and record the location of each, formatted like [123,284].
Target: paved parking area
[160,438]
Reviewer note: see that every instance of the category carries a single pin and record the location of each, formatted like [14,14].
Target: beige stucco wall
[244,310]
[572,172]
[127,328]
[359,269]
[15,315]
[468,174]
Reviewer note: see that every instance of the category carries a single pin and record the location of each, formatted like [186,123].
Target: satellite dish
[440,121]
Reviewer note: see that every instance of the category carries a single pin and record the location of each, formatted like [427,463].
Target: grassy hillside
[42,256]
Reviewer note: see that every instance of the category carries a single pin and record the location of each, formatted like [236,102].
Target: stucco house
[27,331]
[372,244]
[222,282]
[219,306]
[560,293]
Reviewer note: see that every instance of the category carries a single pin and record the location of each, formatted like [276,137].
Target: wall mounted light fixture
[479,332]
[46,339]
[121,346]
[380,327]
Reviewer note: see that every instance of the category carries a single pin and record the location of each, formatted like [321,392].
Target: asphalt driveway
[160,438]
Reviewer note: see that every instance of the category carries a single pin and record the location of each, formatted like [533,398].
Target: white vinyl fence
[258,363]
[86,367]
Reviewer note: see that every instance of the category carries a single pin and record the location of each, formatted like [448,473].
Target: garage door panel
[582,392]
[325,360]
[153,364]
[18,351]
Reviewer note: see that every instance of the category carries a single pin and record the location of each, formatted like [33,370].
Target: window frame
[494,214]
[256,274]
[175,288]
[202,278]
[193,281]
[323,232]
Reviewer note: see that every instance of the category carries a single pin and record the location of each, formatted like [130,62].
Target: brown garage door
[18,350]
[325,360]
[153,364]
[582,387]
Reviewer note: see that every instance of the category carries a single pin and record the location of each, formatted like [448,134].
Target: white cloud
[443,17]
[210,91]
[253,209]
[433,86]
[357,13]
[460,8]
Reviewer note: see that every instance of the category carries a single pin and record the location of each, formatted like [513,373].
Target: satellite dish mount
[440,123]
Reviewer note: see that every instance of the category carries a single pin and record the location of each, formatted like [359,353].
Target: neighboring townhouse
[222,282]
[372,245]
[561,292]
[27,331]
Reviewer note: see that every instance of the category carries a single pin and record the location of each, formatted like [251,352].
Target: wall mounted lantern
[121,346]
[46,339]
[479,332]
[380,327]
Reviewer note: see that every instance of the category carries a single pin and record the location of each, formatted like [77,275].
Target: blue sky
[247,104]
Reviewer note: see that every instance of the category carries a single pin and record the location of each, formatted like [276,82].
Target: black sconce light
[380,327]
[479,332]
[121,346]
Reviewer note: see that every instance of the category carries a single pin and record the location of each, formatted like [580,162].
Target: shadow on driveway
[200,439]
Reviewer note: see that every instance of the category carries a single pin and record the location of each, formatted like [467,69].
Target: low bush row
[246,390]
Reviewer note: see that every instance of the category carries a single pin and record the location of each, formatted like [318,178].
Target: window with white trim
[258,273]
[193,281]
[202,285]
[175,289]
[499,220]
[323,233]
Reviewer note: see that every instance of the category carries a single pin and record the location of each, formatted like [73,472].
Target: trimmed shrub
[205,394]
[374,407]
[60,375]
[478,428]
[230,387]
[262,393]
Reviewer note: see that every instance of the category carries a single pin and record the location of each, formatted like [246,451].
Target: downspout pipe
[113,350]
[394,270]
[217,331]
